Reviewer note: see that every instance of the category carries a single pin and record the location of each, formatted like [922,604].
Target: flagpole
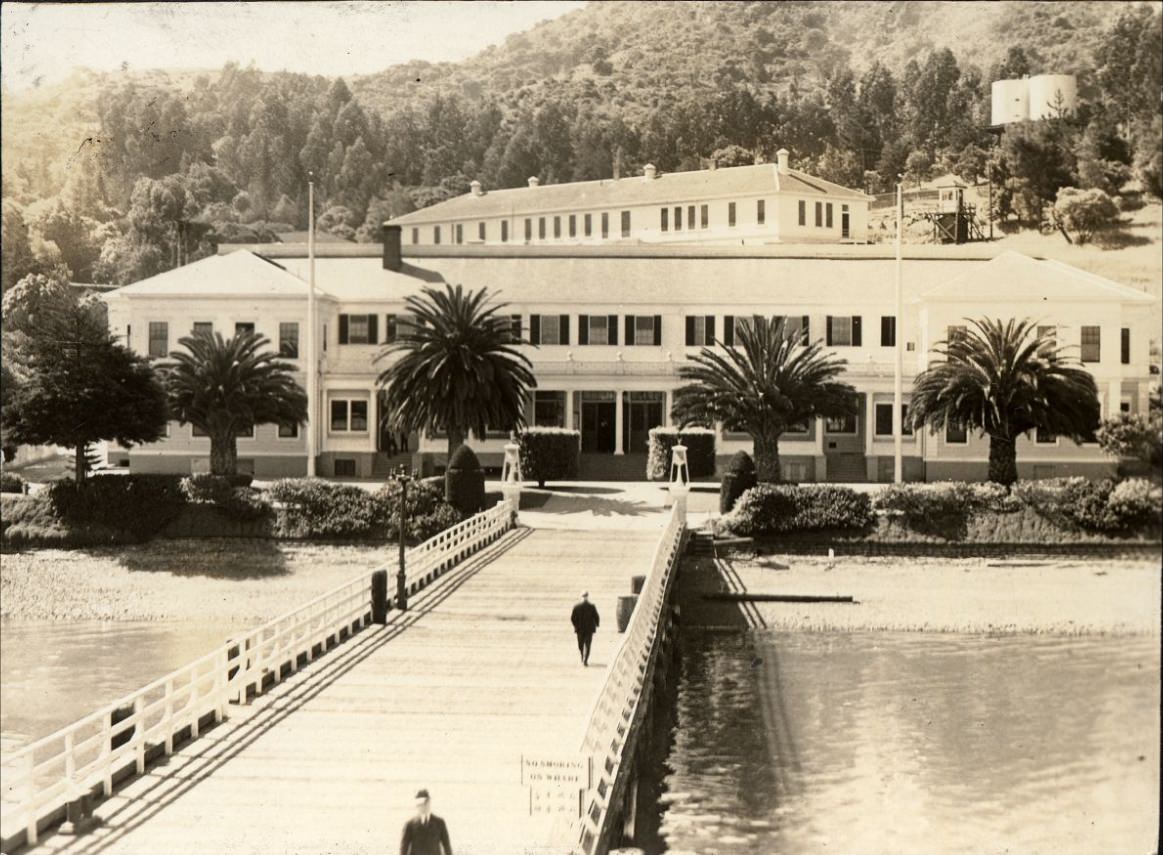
[898,367]
[312,359]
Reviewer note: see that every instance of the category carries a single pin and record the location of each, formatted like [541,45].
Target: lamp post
[403,479]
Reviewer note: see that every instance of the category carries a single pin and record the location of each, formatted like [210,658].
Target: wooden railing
[101,748]
[618,702]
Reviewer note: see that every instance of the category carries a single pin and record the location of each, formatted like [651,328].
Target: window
[760,212]
[1049,334]
[549,409]
[588,224]
[203,327]
[884,420]
[504,231]
[597,329]
[664,213]
[159,338]
[573,225]
[843,331]
[415,235]
[348,416]
[605,226]
[358,329]
[956,434]
[887,331]
[731,214]
[1124,407]
[460,233]
[549,329]
[799,427]
[246,432]
[819,214]
[1044,437]
[955,333]
[803,206]
[690,216]
[196,431]
[729,330]
[541,228]
[840,424]
[344,467]
[644,330]
[397,327]
[243,327]
[289,430]
[481,231]
[700,330]
[436,234]
[625,224]
[128,334]
[528,229]
[1091,344]
[798,326]
[828,215]
[1125,346]
[557,227]
[704,216]
[289,340]
[678,218]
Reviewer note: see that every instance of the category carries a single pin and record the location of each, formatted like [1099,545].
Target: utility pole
[312,358]
[402,478]
[898,367]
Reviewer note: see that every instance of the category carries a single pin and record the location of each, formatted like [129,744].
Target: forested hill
[114,176]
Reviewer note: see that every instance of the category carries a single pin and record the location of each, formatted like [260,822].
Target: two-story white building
[610,326]
[739,205]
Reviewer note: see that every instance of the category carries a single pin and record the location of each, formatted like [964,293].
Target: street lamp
[403,478]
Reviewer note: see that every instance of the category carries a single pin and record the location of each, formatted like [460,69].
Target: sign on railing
[51,772]
[617,702]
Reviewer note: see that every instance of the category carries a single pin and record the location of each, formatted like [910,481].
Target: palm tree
[225,387]
[772,381]
[1003,379]
[457,369]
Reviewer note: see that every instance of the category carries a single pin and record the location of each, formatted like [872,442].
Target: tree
[225,387]
[456,368]
[18,260]
[1002,379]
[769,382]
[74,385]
[1135,435]
[1083,212]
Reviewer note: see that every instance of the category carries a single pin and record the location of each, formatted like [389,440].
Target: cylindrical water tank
[1053,95]
[1009,102]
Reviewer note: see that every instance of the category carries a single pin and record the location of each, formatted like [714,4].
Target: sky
[44,42]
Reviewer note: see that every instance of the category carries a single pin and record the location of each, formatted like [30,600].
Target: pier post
[380,597]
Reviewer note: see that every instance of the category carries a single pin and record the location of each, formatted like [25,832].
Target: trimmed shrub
[31,521]
[310,508]
[230,494]
[700,455]
[464,482]
[780,509]
[549,454]
[943,508]
[138,506]
[10,482]
[737,480]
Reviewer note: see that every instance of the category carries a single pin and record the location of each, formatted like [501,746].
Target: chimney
[649,171]
[393,258]
[534,181]
[476,188]
[782,154]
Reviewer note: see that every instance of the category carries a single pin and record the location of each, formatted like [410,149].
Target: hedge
[464,482]
[31,521]
[737,480]
[135,506]
[309,508]
[10,482]
[549,454]
[700,455]
[769,509]
[231,495]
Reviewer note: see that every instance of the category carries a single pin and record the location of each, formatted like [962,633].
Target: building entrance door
[643,412]
[845,228]
[597,426]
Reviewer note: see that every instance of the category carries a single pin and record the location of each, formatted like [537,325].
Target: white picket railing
[44,776]
[617,702]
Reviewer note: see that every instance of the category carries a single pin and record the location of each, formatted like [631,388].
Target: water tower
[1010,101]
[1053,96]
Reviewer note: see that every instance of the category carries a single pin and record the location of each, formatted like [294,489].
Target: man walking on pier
[425,833]
[585,622]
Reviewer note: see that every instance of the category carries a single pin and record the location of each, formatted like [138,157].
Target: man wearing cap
[585,622]
[425,833]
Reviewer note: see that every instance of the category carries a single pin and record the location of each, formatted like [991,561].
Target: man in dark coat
[585,622]
[425,833]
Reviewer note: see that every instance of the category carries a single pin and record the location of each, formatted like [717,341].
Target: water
[908,742]
[53,673]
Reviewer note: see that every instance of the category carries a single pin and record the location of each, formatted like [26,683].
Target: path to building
[448,696]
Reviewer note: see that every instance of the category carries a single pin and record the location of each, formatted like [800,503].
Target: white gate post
[511,477]
[680,477]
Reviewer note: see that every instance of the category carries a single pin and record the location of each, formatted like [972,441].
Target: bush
[464,482]
[230,494]
[700,444]
[138,506]
[428,514]
[1097,506]
[1136,504]
[310,508]
[943,508]
[779,509]
[10,482]
[737,480]
[549,454]
[1133,435]
[1083,212]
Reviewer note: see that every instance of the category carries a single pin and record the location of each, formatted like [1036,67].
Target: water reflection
[896,743]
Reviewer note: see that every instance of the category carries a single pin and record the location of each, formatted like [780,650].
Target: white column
[869,423]
[1114,397]
[819,435]
[619,415]
[569,400]
[667,403]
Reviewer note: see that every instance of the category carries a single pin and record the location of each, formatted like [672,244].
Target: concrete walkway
[448,696]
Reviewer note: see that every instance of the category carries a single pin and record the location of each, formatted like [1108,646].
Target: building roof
[613,193]
[304,236]
[1043,280]
[238,274]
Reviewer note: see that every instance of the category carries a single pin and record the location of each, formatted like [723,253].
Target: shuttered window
[700,330]
[843,331]
[644,330]
[358,329]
